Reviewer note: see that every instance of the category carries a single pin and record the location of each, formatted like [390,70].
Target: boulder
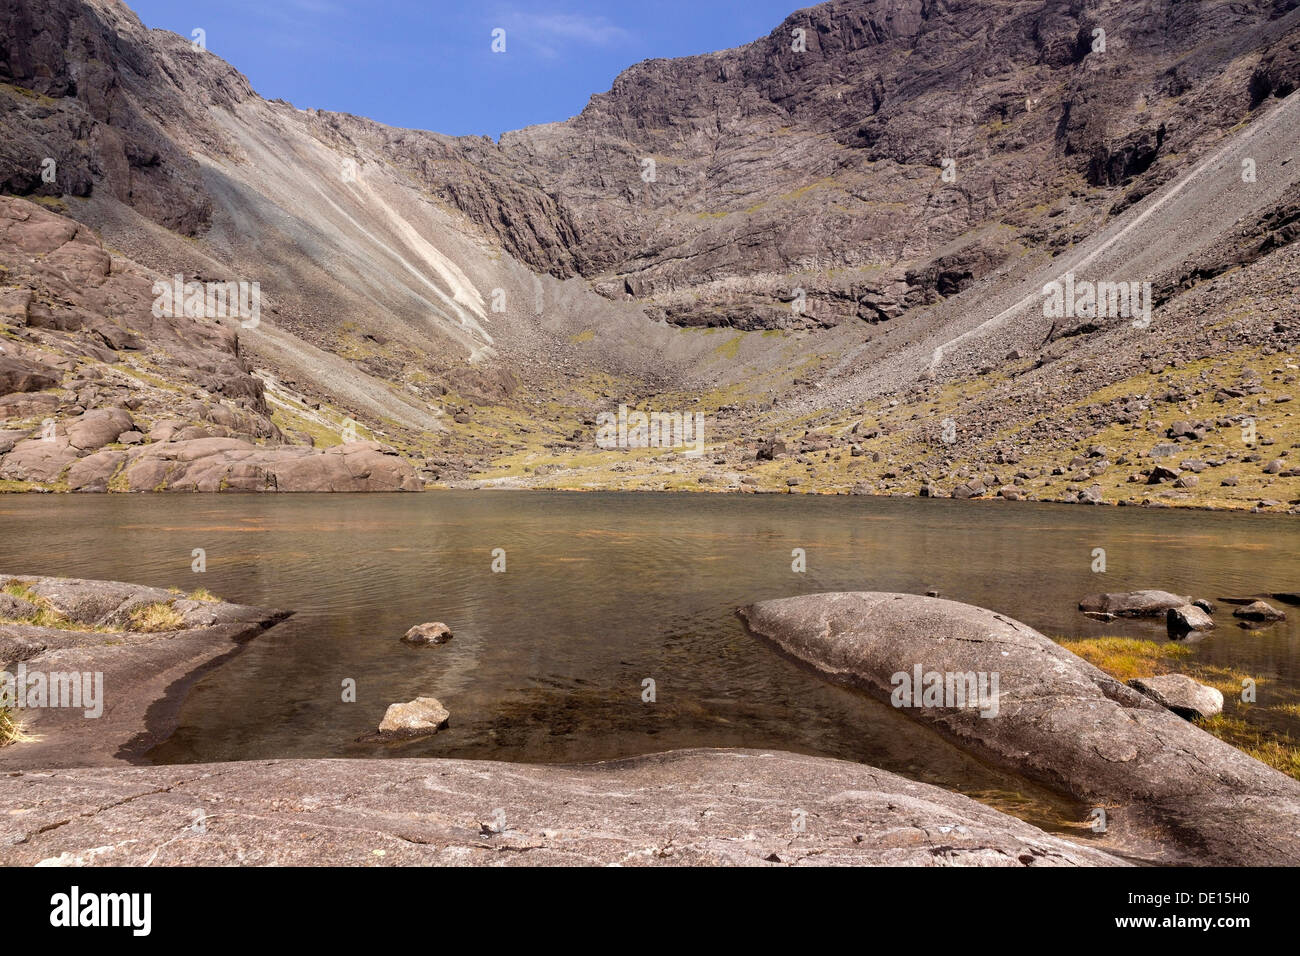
[37,459]
[93,472]
[1187,698]
[100,427]
[1185,429]
[421,717]
[17,375]
[1146,603]
[433,633]
[32,405]
[1174,793]
[354,466]
[1186,618]
[1259,611]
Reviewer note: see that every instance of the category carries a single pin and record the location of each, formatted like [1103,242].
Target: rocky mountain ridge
[770,235]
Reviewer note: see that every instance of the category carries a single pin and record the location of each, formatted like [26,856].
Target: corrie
[633,429]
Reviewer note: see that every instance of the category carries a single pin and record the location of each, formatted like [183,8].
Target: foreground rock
[147,645]
[695,807]
[1133,603]
[1173,793]
[1185,697]
[421,717]
[433,633]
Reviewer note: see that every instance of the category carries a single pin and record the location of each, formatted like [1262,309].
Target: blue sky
[428,64]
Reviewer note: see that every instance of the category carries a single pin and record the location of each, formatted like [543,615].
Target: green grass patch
[1278,751]
[1125,658]
[159,616]
[729,348]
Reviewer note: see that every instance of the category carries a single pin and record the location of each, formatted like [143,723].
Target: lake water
[602,591]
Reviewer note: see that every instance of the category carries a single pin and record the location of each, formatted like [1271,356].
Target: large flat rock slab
[696,807]
[1172,792]
[136,676]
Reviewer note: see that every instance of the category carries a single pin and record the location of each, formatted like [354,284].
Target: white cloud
[543,32]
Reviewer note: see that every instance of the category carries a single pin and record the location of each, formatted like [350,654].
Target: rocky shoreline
[145,647]
[1272,507]
[78,793]
[1170,791]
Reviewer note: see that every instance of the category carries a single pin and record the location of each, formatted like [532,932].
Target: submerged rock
[1185,697]
[1259,611]
[1174,793]
[424,634]
[1147,603]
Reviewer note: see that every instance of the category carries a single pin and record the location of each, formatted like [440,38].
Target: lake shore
[71,772]
[69,779]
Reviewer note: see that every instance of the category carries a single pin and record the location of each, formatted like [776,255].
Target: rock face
[822,167]
[1259,611]
[696,807]
[1133,603]
[68,350]
[18,376]
[860,166]
[1171,789]
[417,718]
[1184,696]
[433,633]
[145,671]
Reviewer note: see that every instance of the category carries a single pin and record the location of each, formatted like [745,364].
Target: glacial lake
[603,591]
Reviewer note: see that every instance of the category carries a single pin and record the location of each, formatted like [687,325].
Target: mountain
[831,243]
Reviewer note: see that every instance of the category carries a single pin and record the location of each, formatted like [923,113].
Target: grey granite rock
[694,807]
[1173,792]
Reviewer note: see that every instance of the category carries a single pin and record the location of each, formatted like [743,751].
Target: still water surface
[602,591]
